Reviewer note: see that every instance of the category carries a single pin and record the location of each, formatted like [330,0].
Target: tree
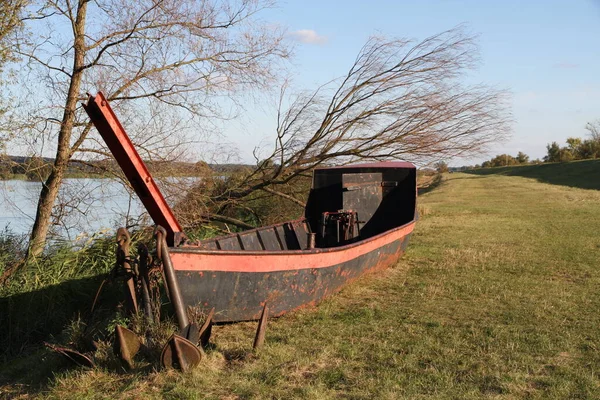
[10,23]
[566,155]
[522,158]
[553,153]
[589,148]
[150,57]
[573,145]
[441,167]
[594,129]
[576,149]
[503,160]
[400,100]
[10,12]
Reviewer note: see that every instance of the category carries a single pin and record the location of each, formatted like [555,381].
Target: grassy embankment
[498,296]
[583,174]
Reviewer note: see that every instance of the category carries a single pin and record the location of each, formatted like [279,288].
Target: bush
[441,167]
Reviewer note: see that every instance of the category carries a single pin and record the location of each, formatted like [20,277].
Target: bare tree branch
[400,100]
[285,196]
[594,130]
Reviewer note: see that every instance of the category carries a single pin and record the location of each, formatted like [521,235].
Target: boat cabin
[346,204]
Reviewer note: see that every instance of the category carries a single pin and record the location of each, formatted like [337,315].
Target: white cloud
[308,36]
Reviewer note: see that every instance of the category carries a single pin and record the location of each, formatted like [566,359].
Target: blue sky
[546,53]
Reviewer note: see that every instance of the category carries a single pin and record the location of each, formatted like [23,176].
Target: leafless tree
[594,130]
[400,100]
[175,56]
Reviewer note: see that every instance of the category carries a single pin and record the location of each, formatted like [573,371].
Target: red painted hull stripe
[281,261]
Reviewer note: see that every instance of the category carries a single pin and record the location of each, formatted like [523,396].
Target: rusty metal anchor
[180,353]
[206,329]
[126,345]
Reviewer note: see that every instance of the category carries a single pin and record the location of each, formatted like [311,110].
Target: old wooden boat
[358,219]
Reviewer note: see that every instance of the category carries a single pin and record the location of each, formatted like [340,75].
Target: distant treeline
[38,168]
[502,160]
[575,149]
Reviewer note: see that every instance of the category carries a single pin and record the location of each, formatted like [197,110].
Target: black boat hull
[284,280]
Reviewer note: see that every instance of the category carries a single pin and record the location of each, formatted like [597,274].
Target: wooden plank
[269,239]
[230,243]
[281,233]
[300,231]
[250,241]
[291,239]
[210,245]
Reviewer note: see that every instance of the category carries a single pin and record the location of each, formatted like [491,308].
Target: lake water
[87,206]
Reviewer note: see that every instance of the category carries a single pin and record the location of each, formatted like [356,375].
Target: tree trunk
[49,191]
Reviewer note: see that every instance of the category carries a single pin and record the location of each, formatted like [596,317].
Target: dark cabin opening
[372,200]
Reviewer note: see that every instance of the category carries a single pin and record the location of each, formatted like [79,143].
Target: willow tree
[400,100]
[178,55]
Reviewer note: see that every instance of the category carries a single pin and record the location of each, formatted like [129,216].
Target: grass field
[583,174]
[497,297]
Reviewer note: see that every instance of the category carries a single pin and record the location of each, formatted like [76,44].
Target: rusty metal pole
[171,279]
[123,242]
[311,240]
[145,279]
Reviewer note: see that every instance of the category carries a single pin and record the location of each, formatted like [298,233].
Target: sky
[545,53]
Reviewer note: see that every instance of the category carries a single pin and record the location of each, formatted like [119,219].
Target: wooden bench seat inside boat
[287,236]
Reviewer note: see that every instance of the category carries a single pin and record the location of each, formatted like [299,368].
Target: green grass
[497,297]
[44,296]
[583,174]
